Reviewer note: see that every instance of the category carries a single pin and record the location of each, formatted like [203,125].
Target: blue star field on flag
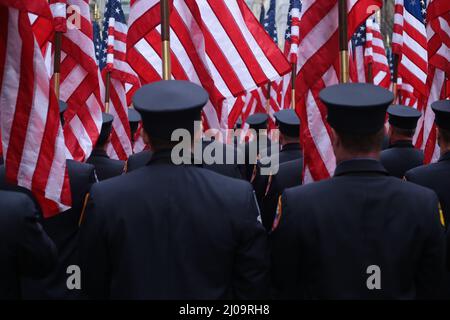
[270,23]
[295,4]
[97,41]
[113,9]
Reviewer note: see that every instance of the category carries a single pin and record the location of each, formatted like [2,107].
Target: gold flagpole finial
[96,12]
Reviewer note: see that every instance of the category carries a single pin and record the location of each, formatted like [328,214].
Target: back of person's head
[356,113]
[441,110]
[168,106]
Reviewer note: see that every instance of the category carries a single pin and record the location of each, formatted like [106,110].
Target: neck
[445,150]
[396,138]
[356,156]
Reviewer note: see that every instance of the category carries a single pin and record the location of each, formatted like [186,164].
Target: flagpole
[269,86]
[343,42]
[370,72]
[57,63]
[165,38]
[395,61]
[293,78]
[107,91]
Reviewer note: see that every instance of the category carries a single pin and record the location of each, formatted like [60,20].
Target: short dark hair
[362,143]
[404,132]
[445,134]
[158,144]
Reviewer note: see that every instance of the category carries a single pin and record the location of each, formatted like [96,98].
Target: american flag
[79,80]
[409,42]
[216,43]
[317,64]
[31,132]
[292,36]
[357,50]
[438,31]
[262,14]
[291,42]
[270,23]
[113,60]
[390,59]
[97,42]
[367,47]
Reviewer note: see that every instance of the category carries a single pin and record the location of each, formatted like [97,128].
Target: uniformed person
[63,230]
[105,167]
[259,146]
[401,155]
[25,248]
[169,231]
[288,125]
[138,160]
[227,164]
[230,169]
[436,176]
[134,118]
[361,234]
[289,175]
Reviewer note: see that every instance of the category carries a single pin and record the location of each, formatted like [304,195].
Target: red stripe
[225,17]
[3,41]
[142,26]
[19,126]
[275,56]
[201,70]
[141,66]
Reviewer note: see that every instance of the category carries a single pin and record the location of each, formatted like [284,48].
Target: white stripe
[422,76]
[147,52]
[379,77]
[258,53]
[415,46]
[10,89]
[226,45]
[319,133]
[72,82]
[318,36]
[120,46]
[58,10]
[81,135]
[218,80]
[139,8]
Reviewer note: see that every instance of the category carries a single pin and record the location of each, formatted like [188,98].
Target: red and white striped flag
[216,43]
[32,137]
[367,48]
[376,54]
[79,80]
[318,67]
[438,34]
[115,39]
[409,42]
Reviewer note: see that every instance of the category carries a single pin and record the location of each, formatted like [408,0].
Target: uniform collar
[360,167]
[402,144]
[291,146]
[165,157]
[99,153]
[445,157]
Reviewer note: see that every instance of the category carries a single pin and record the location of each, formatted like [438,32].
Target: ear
[439,136]
[335,140]
[146,137]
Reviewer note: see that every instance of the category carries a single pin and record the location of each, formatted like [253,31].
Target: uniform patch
[441,215]
[277,219]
